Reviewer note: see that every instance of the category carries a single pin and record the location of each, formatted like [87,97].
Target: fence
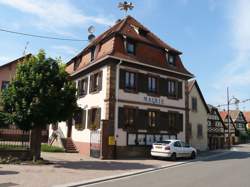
[15,138]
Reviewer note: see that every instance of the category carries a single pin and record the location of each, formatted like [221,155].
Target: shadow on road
[3,172]
[230,156]
[93,165]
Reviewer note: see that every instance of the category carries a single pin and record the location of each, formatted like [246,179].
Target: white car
[172,149]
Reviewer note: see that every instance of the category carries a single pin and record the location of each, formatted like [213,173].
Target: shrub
[50,148]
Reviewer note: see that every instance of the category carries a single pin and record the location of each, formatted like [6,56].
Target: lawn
[50,148]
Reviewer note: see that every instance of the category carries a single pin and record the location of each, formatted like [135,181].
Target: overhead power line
[41,36]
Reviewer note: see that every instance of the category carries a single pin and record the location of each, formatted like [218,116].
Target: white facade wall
[196,118]
[90,100]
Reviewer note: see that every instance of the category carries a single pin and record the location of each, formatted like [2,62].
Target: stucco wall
[195,118]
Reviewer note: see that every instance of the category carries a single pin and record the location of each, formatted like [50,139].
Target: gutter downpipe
[116,104]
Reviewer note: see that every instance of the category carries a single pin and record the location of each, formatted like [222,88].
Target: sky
[214,35]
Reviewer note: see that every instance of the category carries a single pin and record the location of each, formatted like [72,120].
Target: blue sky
[214,35]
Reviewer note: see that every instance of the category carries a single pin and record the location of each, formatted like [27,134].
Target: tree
[40,94]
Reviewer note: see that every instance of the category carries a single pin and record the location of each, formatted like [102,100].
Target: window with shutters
[129,117]
[77,63]
[92,54]
[80,119]
[199,131]
[94,118]
[152,115]
[152,84]
[96,82]
[82,87]
[130,81]
[194,104]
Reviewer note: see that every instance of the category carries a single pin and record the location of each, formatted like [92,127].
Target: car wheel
[193,155]
[173,157]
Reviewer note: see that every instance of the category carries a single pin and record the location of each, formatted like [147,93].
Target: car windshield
[164,142]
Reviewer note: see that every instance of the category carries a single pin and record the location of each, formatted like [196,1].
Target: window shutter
[98,117]
[84,119]
[167,85]
[180,90]
[100,81]
[158,120]
[89,118]
[179,122]
[121,117]
[78,88]
[91,83]
[142,83]
[163,121]
[141,122]
[86,85]
[122,79]
[163,86]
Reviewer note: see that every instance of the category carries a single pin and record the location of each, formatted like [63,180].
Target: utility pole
[228,118]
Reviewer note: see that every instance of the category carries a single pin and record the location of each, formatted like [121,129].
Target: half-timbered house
[228,124]
[216,129]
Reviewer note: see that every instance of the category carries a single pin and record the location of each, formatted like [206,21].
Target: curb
[134,173]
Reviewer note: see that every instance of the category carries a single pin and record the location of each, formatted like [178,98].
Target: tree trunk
[35,142]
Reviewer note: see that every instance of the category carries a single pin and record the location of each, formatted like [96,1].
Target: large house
[131,92]
[229,124]
[216,129]
[198,114]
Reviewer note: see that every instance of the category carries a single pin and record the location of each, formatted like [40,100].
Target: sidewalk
[72,168]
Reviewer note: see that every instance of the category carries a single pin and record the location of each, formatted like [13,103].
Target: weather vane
[125,6]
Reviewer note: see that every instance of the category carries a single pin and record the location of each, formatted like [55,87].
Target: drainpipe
[116,101]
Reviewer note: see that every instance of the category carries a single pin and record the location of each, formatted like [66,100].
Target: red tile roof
[247,116]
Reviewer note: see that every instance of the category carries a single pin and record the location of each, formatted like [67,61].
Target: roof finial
[125,6]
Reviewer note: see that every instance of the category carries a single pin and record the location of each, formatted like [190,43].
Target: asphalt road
[231,169]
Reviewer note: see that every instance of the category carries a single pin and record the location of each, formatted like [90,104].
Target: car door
[178,149]
[185,149]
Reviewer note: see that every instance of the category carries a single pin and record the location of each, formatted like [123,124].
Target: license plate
[158,147]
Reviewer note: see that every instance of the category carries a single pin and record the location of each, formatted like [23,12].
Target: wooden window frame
[130,42]
[129,87]
[82,87]
[194,104]
[152,122]
[199,131]
[149,86]
[129,113]
[172,89]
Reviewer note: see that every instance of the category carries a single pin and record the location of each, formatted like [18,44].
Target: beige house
[198,114]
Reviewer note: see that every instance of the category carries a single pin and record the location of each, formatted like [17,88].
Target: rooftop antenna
[125,6]
[25,48]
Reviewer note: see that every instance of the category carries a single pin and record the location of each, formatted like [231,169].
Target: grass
[12,147]
[50,148]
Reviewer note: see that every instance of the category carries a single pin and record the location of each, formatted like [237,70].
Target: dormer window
[77,63]
[170,59]
[92,54]
[130,47]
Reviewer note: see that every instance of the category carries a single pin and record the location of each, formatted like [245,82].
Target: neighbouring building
[12,133]
[216,129]
[232,128]
[240,124]
[131,93]
[198,114]
[247,117]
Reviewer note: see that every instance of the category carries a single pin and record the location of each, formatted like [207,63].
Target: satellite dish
[91,37]
[91,29]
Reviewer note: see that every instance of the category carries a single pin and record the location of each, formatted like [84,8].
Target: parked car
[172,149]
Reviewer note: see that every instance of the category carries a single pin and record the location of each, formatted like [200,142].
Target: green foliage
[40,94]
[50,148]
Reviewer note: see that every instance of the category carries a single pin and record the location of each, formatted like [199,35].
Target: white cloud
[55,15]
[236,73]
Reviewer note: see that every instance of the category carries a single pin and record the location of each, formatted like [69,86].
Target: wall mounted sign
[153,100]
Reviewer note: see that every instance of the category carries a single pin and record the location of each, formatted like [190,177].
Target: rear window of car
[163,142]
